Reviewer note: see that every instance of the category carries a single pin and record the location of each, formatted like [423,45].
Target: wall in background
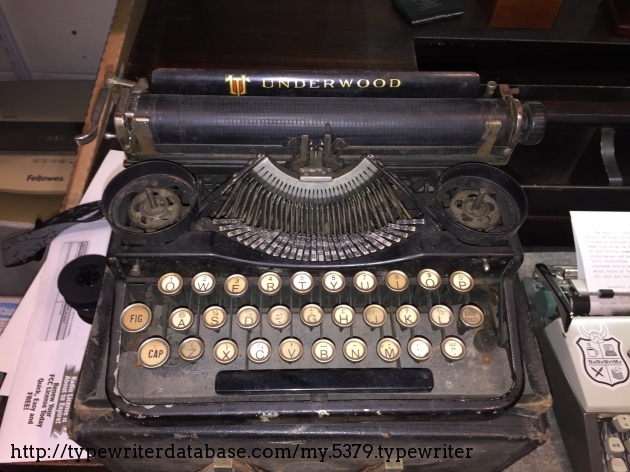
[59,39]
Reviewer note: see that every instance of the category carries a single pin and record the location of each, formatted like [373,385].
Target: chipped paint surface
[266,416]
[322,413]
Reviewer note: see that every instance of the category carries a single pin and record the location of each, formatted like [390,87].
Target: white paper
[602,244]
[52,348]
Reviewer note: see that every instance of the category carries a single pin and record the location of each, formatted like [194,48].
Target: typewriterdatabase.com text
[205,451]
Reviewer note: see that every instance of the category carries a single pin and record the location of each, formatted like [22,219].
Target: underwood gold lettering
[264,84]
[329,83]
[379,83]
[282,82]
[300,86]
[345,82]
[313,82]
[393,83]
[366,81]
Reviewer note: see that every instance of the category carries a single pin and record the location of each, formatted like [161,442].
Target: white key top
[453,348]
[170,284]
[622,423]
[191,349]
[135,317]
[247,317]
[235,285]
[364,281]
[181,319]
[259,351]
[225,351]
[312,315]
[374,315]
[613,446]
[396,281]
[429,280]
[269,283]
[343,315]
[388,349]
[279,316]
[616,464]
[290,349]
[323,350]
[407,316]
[354,349]
[461,281]
[203,283]
[419,348]
[302,282]
[153,352]
[333,281]
[441,316]
[214,317]
[471,316]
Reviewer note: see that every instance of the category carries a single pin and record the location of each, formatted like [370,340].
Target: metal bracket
[115,88]
[489,138]
[607,146]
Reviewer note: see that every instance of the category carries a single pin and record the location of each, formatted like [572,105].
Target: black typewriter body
[313,257]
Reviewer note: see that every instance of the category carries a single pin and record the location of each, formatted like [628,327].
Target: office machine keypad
[304,320]
[615,442]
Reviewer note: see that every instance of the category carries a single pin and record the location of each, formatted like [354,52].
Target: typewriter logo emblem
[602,356]
[237,85]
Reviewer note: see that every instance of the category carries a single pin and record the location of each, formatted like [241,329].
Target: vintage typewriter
[584,339]
[284,249]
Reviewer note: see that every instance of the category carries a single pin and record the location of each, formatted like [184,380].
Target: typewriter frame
[121,262]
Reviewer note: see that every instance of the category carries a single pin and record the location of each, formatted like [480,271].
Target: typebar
[323,380]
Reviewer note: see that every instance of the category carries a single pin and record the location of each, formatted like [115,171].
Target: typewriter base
[496,443]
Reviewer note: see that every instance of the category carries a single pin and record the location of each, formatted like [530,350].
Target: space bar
[293,381]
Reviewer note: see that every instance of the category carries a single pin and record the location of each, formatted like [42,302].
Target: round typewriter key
[471,316]
[135,317]
[323,350]
[374,316]
[181,319]
[247,317]
[235,285]
[312,315]
[279,316]
[153,352]
[269,283]
[419,348]
[290,349]
[225,351]
[388,349]
[461,281]
[343,315]
[259,351]
[354,349]
[441,316]
[453,348]
[333,281]
[396,281]
[214,317]
[203,283]
[170,284]
[191,349]
[429,280]
[407,316]
[364,281]
[302,282]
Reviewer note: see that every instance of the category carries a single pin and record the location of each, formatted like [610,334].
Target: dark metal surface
[30,246]
[196,120]
[288,83]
